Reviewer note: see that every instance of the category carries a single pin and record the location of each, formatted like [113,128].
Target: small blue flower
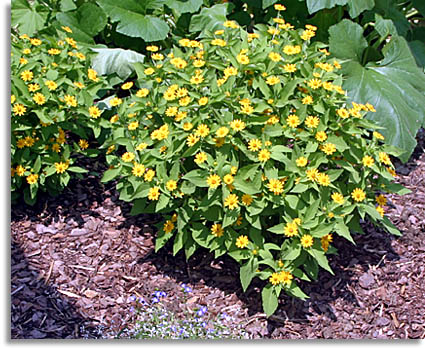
[203,324]
[202,311]
[132,298]
[155,300]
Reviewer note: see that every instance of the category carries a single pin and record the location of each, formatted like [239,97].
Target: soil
[78,258]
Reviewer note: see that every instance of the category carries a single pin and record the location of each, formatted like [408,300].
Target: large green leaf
[26,18]
[209,19]
[395,85]
[133,21]
[355,7]
[88,20]
[270,300]
[115,60]
[184,6]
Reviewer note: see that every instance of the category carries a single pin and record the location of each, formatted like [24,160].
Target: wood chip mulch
[78,258]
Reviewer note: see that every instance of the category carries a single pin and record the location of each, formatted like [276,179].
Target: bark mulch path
[77,259]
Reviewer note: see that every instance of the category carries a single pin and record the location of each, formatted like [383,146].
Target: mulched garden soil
[77,259]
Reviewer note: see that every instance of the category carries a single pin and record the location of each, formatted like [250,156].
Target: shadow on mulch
[38,310]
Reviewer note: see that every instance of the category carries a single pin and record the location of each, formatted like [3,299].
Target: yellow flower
[380,210]
[293,121]
[368,161]
[157,56]
[231,24]
[202,130]
[279,7]
[114,119]
[128,156]
[301,161]
[291,50]
[343,113]
[381,200]
[196,79]
[254,145]
[272,80]
[141,146]
[358,195]
[312,121]
[70,100]
[187,126]
[213,181]
[149,175]
[314,83]
[275,186]
[228,179]
[307,100]
[274,278]
[152,48]
[222,132]
[171,185]
[285,277]
[141,93]
[27,75]
[275,57]
[237,125]
[168,226]
[337,198]
[323,179]
[200,157]
[231,201]
[247,199]
[83,144]
[264,155]
[171,111]
[217,230]
[39,98]
[92,75]
[79,85]
[291,229]
[242,59]
[384,158]
[35,42]
[127,85]
[242,242]
[32,179]
[61,167]
[203,101]
[307,34]
[306,241]
[321,136]
[198,63]
[149,71]
[133,125]
[378,136]
[230,71]
[218,42]
[312,174]
[51,85]
[20,170]
[328,148]
[154,193]
[94,112]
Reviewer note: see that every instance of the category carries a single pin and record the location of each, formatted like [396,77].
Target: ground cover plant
[247,145]
[52,93]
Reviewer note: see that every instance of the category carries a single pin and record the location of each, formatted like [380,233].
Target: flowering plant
[246,144]
[52,88]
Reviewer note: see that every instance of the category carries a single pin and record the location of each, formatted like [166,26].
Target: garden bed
[78,259]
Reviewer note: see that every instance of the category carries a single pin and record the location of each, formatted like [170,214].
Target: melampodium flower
[337,198]
[200,157]
[264,155]
[321,136]
[168,226]
[138,169]
[83,144]
[285,277]
[254,145]
[149,175]
[381,200]
[213,181]
[32,179]
[247,199]
[312,174]
[133,125]
[380,210]
[314,83]
[274,278]
[293,121]
[92,75]
[127,85]
[27,75]
[154,193]
[94,111]
[171,185]
[202,130]
[323,179]
[328,148]
[141,93]
[275,57]
[192,139]
[61,167]
[51,85]
[203,101]
[70,100]
[343,113]
[290,68]
[368,161]
[231,201]
[279,7]
[291,229]
[307,100]
[306,241]
[128,157]
[237,125]
[222,132]
[290,50]
[217,230]
[301,161]
[358,195]
[272,80]
[228,179]
[384,158]
[275,186]
[19,109]
[242,242]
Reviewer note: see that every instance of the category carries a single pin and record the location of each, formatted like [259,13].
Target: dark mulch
[77,258]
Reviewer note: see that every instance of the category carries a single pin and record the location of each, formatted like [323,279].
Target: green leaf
[278,229]
[247,272]
[418,50]
[133,21]
[197,177]
[267,3]
[296,291]
[269,299]
[384,27]
[189,6]
[77,170]
[209,19]
[355,6]
[111,174]
[321,259]
[67,5]
[395,85]
[346,40]
[26,18]
[245,186]
[115,60]
[87,21]
[342,230]
[397,188]
[390,227]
